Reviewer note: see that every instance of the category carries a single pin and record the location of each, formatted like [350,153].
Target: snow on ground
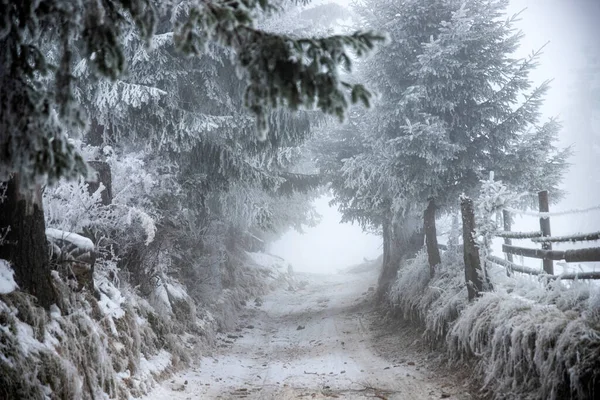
[7,282]
[314,342]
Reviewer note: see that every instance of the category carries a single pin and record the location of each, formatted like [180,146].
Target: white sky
[571,28]
[329,246]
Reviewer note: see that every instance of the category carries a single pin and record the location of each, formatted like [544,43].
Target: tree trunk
[433,252]
[473,272]
[25,245]
[400,241]
[387,269]
[97,134]
[103,177]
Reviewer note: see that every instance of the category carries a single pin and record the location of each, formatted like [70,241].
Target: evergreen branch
[281,70]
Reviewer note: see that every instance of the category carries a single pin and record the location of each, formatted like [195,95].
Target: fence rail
[580,237]
[578,255]
[542,238]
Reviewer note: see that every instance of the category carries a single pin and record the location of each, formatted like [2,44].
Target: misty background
[568,32]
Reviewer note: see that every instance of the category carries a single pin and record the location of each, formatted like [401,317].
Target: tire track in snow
[311,343]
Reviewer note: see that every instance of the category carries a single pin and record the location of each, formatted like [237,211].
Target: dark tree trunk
[97,134]
[400,241]
[387,269]
[103,176]
[433,252]
[473,272]
[25,245]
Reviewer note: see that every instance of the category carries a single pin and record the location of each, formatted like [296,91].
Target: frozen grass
[435,303]
[527,339]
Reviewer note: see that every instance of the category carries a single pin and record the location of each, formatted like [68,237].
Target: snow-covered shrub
[528,340]
[530,349]
[493,197]
[112,346]
[70,207]
[436,302]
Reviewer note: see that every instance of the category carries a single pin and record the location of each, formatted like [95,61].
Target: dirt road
[314,342]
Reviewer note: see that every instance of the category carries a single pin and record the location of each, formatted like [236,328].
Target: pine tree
[454,105]
[41,42]
[189,114]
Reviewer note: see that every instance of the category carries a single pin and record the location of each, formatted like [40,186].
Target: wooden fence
[543,237]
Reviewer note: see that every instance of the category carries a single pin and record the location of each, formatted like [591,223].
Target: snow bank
[529,340]
[527,349]
[7,282]
[436,303]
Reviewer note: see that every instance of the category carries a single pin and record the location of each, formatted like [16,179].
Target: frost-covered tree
[454,105]
[189,113]
[42,41]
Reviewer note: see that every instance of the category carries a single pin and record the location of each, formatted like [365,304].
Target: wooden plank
[512,266]
[578,275]
[534,253]
[582,237]
[583,255]
[545,228]
[576,255]
[531,271]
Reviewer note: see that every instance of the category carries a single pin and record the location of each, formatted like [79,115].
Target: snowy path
[312,343]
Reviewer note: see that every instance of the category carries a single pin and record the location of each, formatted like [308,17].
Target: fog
[568,32]
[329,246]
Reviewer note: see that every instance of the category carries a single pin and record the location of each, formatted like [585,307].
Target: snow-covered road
[314,342]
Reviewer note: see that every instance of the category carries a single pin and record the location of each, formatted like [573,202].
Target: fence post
[473,272]
[507,228]
[545,228]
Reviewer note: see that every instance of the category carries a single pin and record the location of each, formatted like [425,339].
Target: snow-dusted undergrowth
[528,340]
[114,343]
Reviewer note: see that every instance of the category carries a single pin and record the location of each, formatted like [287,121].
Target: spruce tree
[41,42]
[454,105]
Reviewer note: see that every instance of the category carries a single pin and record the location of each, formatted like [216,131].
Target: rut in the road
[314,342]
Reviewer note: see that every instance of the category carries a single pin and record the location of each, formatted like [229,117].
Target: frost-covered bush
[530,340]
[493,197]
[530,349]
[112,346]
[434,302]
[70,207]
